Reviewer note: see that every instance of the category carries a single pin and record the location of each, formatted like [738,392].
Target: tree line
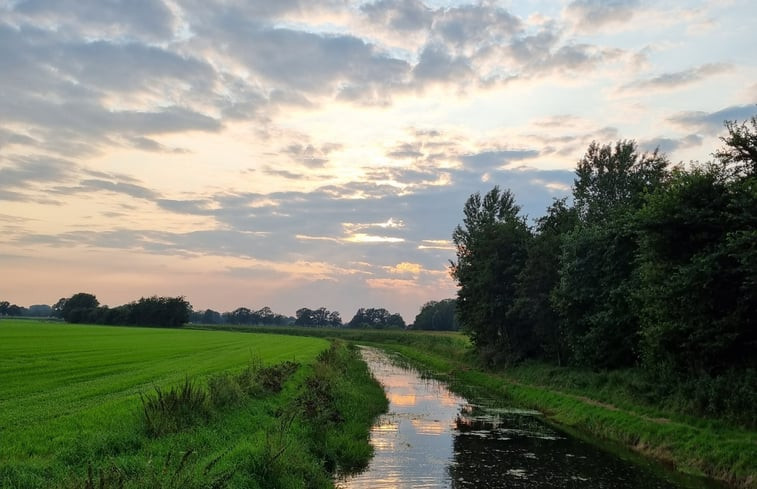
[36,310]
[84,307]
[651,266]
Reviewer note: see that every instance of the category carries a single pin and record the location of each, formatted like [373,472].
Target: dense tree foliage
[699,271]
[491,250]
[594,296]
[320,317]
[438,316]
[651,267]
[378,318]
[147,311]
[532,311]
[79,308]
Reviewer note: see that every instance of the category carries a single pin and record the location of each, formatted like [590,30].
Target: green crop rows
[70,394]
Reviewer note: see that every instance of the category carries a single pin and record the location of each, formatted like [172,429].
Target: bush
[257,380]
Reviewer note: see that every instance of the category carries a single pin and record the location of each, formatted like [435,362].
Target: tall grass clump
[225,390]
[174,409]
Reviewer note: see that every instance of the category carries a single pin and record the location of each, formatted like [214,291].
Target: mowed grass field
[71,393]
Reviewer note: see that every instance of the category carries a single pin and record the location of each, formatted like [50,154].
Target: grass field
[70,400]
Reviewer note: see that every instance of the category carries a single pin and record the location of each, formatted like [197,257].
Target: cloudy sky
[299,153]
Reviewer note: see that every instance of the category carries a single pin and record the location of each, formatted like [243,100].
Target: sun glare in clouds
[294,153]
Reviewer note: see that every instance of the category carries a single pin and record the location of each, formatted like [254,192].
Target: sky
[305,154]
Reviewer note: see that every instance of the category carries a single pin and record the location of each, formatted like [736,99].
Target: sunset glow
[306,154]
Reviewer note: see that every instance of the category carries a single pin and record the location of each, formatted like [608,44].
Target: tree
[334,319]
[79,308]
[304,317]
[40,310]
[598,274]
[377,318]
[540,330]
[4,305]
[612,179]
[58,307]
[438,316]
[491,249]
[240,315]
[159,311]
[209,316]
[320,317]
[740,150]
[264,315]
[699,273]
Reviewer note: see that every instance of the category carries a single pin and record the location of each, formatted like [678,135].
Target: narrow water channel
[432,438]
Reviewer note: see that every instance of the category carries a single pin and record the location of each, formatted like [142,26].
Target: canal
[433,438]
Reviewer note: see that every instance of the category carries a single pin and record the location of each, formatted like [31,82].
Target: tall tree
[595,296]
[539,323]
[491,249]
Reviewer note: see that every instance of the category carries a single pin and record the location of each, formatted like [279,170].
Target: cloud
[437,64]
[309,155]
[493,159]
[25,171]
[436,244]
[590,15]
[8,138]
[150,19]
[75,94]
[668,145]
[130,189]
[679,78]
[299,61]
[110,66]
[411,15]
[147,144]
[406,268]
[712,122]
[406,151]
[476,25]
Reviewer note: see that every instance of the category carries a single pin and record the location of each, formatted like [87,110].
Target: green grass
[71,409]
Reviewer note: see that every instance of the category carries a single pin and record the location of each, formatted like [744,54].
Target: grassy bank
[230,410]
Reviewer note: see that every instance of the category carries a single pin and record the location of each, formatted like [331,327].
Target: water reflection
[432,438]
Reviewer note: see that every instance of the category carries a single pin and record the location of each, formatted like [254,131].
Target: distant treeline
[318,318]
[652,265]
[83,307]
[37,310]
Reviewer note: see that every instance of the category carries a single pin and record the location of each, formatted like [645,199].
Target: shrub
[257,380]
